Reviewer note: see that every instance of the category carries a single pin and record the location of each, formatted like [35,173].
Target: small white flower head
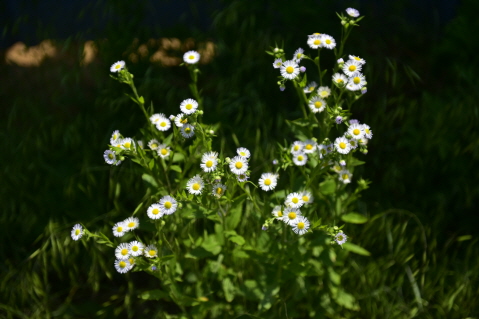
[168,205]
[317,104]
[297,147]
[300,225]
[302,69]
[110,157]
[189,106]
[351,66]
[315,41]
[324,91]
[187,130]
[364,90]
[119,229]
[316,34]
[353,121]
[150,251]
[195,185]
[328,41]
[277,212]
[356,81]
[322,150]
[136,248]
[290,215]
[310,87]
[342,163]
[132,223]
[242,177]
[122,252]
[307,197]
[268,181]
[358,59]
[340,80]
[117,66]
[153,144]
[339,119]
[163,123]
[345,176]
[140,144]
[155,118]
[300,159]
[356,131]
[77,232]
[127,144]
[243,152]
[341,144]
[277,63]
[340,238]
[122,266]
[209,155]
[330,148]
[336,167]
[115,136]
[298,55]
[354,143]
[238,165]
[218,190]
[163,150]
[289,70]
[309,146]
[208,164]
[191,57]
[352,12]
[180,120]
[367,131]
[171,117]
[294,200]
[154,211]
[340,60]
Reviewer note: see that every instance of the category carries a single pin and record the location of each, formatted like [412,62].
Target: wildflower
[352,12]
[154,211]
[367,131]
[351,66]
[127,144]
[277,212]
[300,159]
[356,131]
[110,157]
[117,66]
[136,248]
[315,42]
[307,197]
[132,223]
[356,81]
[188,106]
[187,130]
[191,57]
[298,55]
[353,121]
[282,88]
[122,266]
[317,104]
[77,232]
[195,185]
[324,91]
[238,165]
[297,147]
[153,144]
[119,229]
[341,144]
[155,118]
[309,146]
[275,162]
[114,137]
[289,70]
[163,123]
[218,190]
[209,155]
[358,59]
[322,150]
[264,227]
[208,164]
[340,238]
[163,150]
[342,163]
[345,176]
[290,215]
[300,225]
[180,121]
[302,69]
[339,119]
[294,200]
[150,251]
[340,79]
[243,152]
[268,181]
[328,41]
[122,252]
[354,143]
[310,87]
[242,177]
[277,63]
[168,205]
[364,90]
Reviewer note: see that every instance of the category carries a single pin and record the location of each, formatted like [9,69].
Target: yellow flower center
[196,186]
[127,144]
[243,154]
[318,104]
[164,151]
[184,121]
[342,145]
[155,211]
[118,66]
[296,148]
[345,176]
[289,69]
[328,41]
[309,147]
[131,224]
[77,232]
[187,130]
[168,205]
[357,59]
[134,248]
[209,164]
[131,260]
[122,264]
[295,200]
[219,191]
[367,131]
[280,214]
[189,106]
[356,80]
[317,42]
[111,156]
[239,165]
[305,198]
[352,68]
[154,145]
[124,251]
[300,225]
[356,131]
[163,124]
[299,55]
[339,81]
[300,158]
[267,182]
[119,229]
[152,252]
[191,57]
[292,215]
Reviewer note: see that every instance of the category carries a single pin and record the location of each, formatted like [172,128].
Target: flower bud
[227,160]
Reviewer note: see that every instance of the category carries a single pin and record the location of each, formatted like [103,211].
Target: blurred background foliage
[56,119]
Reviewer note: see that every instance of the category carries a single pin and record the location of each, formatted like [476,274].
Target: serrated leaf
[354,218]
[356,249]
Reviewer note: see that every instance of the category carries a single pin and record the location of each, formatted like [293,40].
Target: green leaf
[229,289]
[149,179]
[212,245]
[356,249]
[327,187]
[346,300]
[354,218]
[176,168]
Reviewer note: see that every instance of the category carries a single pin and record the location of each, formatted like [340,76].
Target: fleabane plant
[212,226]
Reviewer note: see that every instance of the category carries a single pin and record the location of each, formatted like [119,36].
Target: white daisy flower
[345,176]
[330,148]
[297,147]
[289,70]
[163,150]
[354,143]
[117,66]
[317,104]
[115,136]
[189,106]
[351,66]
[341,144]
[315,41]
[277,63]
[268,181]
[119,229]
[154,211]
[340,80]
[310,87]
[168,205]
[131,223]
[163,124]
[294,200]
[324,91]
[153,144]
[243,152]
[195,185]
[218,190]
[150,251]
[300,225]
[336,167]
[155,118]
[242,177]
[122,266]
[300,159]
[358,59]
[191,57]
[209,155]
[180,120]
[356,131]
[290,215]
[322,150]
[127,144]
[110,157]
[309,146]
[328,41]
[122,252]
[136,248]
[367,131]
[356,81]
[340,238]
[77,232]
[208,164]
[187,130]
[277,212]
[298,55]
[307,197]
[352,12]
[238,165]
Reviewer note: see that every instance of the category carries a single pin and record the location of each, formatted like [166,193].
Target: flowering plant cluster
[209,203]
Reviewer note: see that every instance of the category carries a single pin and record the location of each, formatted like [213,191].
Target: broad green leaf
[176,168]
[229,289]
[327,187]
[354,218]
[149,179]
[356,249]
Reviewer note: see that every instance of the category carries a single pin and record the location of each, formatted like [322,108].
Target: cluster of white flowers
[300,151]
[126,253]
[167,205]
[239,164]
[356,135]
[291,214]
[129,224]
[352,79]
